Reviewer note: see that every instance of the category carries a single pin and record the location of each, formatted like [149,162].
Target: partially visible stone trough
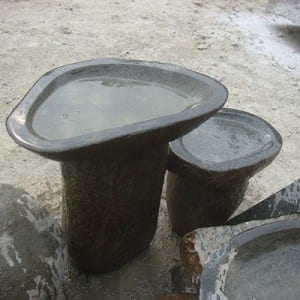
[33,254]
[260,263]
[197,245]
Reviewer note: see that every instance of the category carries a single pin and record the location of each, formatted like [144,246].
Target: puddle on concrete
[273,36]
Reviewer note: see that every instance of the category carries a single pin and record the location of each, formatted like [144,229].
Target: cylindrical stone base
[110,208]
[193,203]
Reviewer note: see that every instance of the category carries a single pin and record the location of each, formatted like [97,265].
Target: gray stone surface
[284,202]
[110,208]
[33,254]
[105,163]
[261,263]
[209,168]
[197,245]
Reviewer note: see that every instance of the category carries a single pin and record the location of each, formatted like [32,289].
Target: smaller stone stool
[210,167]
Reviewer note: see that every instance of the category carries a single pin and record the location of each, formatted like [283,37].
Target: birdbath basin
[261,263]
[209,168]
[109,122]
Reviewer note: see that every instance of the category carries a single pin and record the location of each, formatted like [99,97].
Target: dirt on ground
[252,51]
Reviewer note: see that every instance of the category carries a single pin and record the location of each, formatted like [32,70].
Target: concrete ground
[244,44]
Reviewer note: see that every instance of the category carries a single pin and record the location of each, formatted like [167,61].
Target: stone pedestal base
[110,208]
[193,203]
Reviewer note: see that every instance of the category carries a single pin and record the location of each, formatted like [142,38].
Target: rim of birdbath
[19,122]
[184,160]
[224,262]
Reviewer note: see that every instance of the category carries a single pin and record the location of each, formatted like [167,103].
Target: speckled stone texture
[209,168]
[33,254]
[209,204]
[110,207]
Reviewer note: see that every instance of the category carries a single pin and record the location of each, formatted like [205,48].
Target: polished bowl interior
[97,103]
[262,263]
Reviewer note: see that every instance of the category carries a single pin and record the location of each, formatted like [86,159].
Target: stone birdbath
[210,167]
[261,263]
[109,122]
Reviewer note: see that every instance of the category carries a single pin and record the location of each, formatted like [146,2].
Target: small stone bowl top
[230,140]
